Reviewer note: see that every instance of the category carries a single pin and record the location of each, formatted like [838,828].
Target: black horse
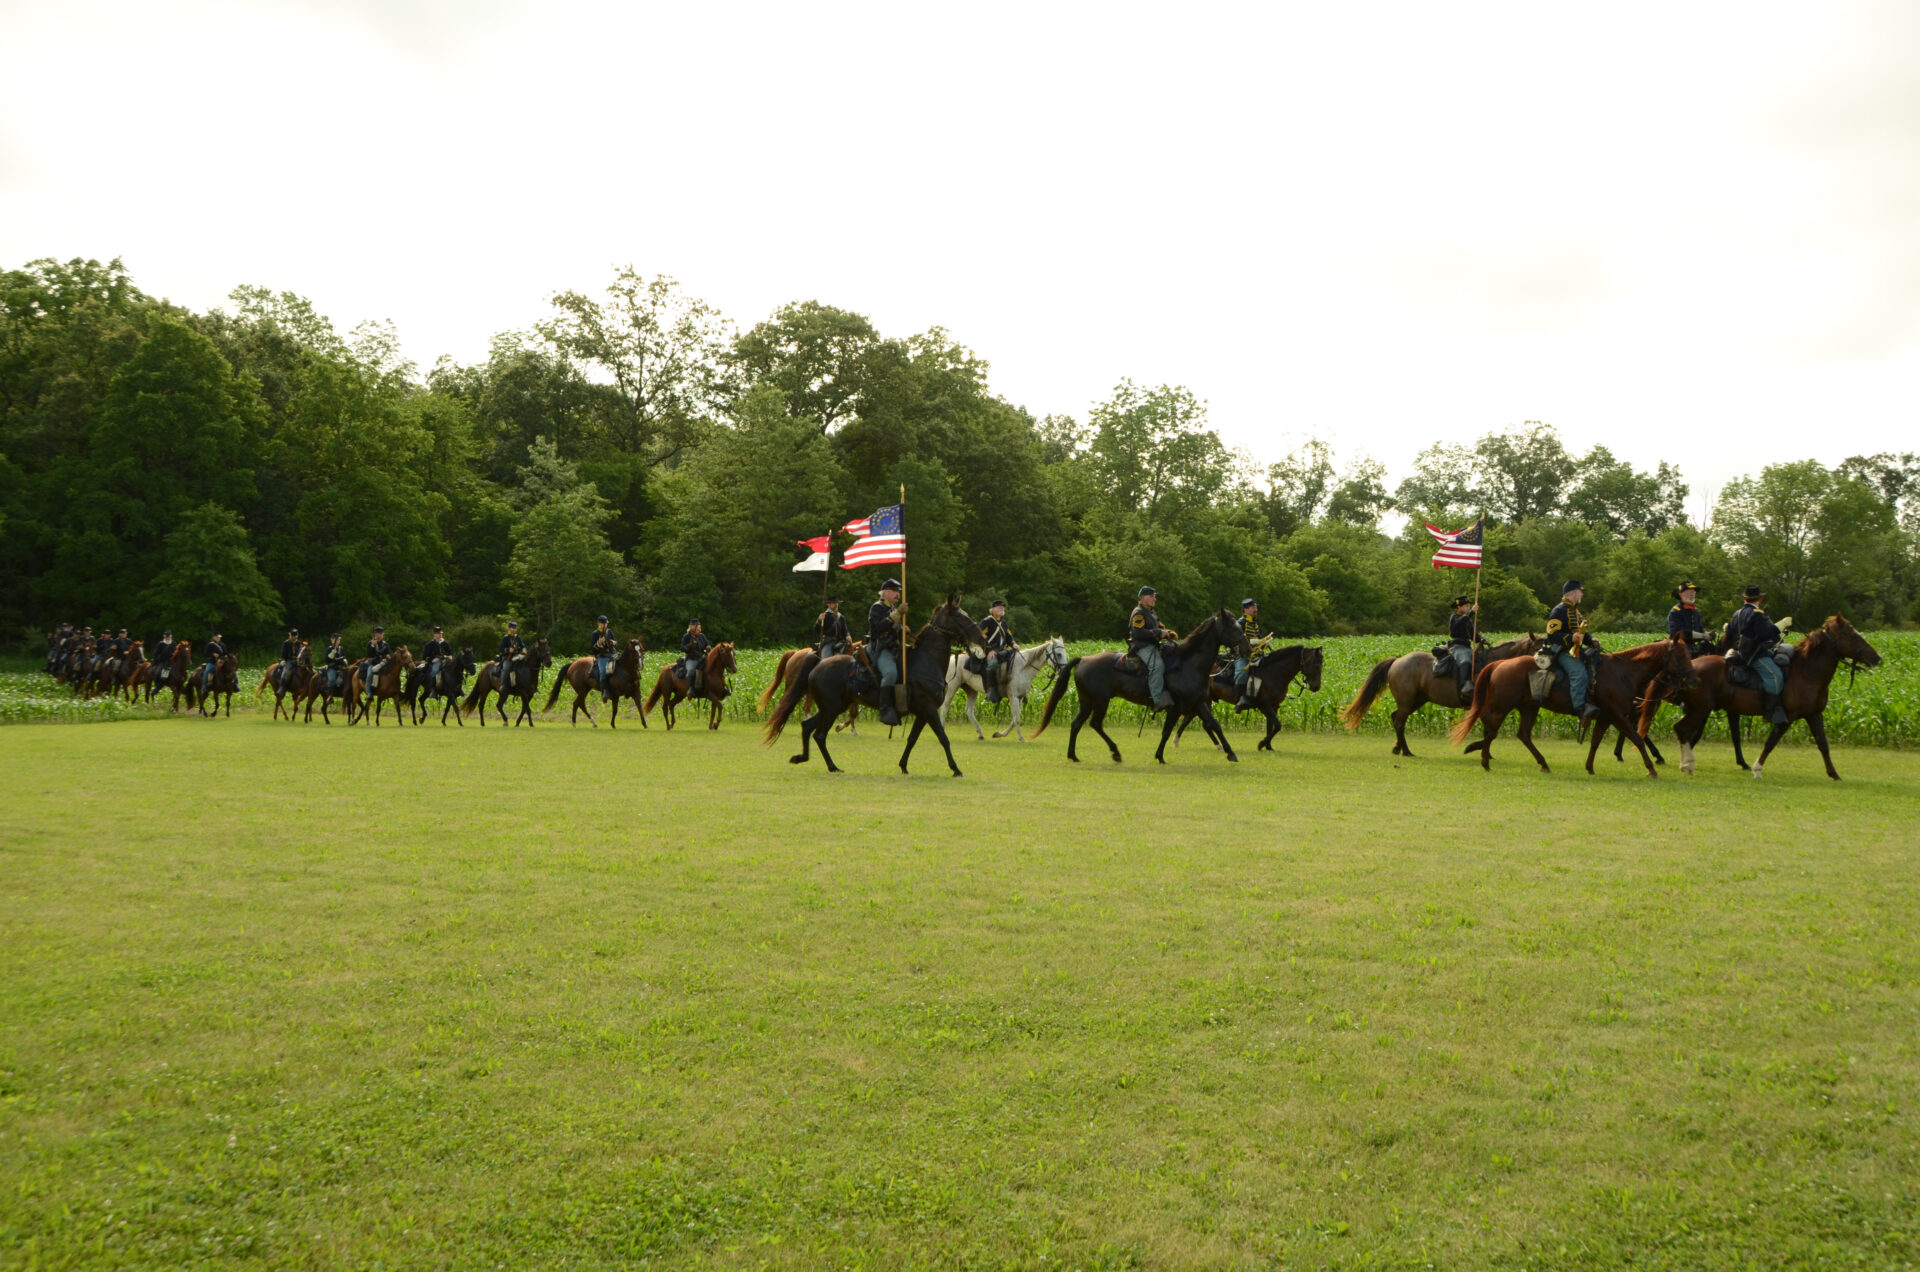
[522,681]
[1268,678]
[423,685]
[1100,678]
[834,689]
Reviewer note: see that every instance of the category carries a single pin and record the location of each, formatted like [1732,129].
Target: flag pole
[903,586]
[1476,580]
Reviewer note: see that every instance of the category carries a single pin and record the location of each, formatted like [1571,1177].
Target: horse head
[1057,653]
[542,653]
[720,659]
[956,625]
[1219,629]
[1849,643]
[1676,663]
[1313,660]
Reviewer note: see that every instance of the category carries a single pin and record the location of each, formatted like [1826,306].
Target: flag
[882,540]
[816,562]
[1458,547]
[858,529]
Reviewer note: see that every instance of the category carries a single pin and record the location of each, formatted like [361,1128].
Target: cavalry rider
[1684,623]
[883,646]
[1752,638]
[603,647]
[1144,634]
[997,636]
[336,663]
[113,654]
[1570,645]
[163,656]
[434,653]
[378,651]
[512,650]
[289,650]
[1462,635]
[216,650]
[830,635]
[693,657]
[1243,667]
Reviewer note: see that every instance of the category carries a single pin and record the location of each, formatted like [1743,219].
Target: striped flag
[882,540]
[816,561]
[1458,547]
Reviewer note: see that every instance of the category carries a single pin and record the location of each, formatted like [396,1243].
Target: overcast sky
[1688,232]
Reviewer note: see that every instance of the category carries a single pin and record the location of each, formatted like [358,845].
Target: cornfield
[1878,708]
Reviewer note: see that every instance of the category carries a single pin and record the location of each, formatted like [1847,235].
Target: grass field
[286,997]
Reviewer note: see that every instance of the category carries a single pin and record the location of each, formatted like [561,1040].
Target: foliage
[562,569]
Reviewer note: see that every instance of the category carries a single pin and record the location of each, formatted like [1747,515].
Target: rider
[1462,635]
[883,646]
[378,651]
[512,650]
[289,650]
[113,654]
[602,646]
[830,634]
[336,662]
[997,636]
[693,657]
[1752,638]
[435,652]
[216,650]
[1243,667]
[1684,623]
[1144,633]
[1570,645]
[163,655]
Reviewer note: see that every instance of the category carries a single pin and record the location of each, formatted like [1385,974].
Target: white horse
[1026,666]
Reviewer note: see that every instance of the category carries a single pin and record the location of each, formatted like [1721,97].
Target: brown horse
[173,676]
[1617,680]
[386,688]
[623,681]
[1100,678]
[288,682]
[670,687]
[203,691]
[132,672]
[1804,695]
[326,686]
[1417,679]
[836,682]
[522,682]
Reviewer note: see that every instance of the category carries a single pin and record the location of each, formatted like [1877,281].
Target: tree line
[636,453]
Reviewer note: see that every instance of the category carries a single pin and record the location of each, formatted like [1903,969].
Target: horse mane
[713,655]
[1192,644]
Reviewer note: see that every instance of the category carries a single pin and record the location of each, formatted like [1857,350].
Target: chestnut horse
[1617,680]
[831,683]
[132,673]
[1100,679]
[1417,679]
[173,676]
[289,683]
[386,688]
[623,681]
[1803,696]
[671,687]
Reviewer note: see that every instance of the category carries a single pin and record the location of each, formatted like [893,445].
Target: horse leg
[972,717]
[822,730]
[806,741]
[1273,728]
[1212,725]
[1773,739]
[1528,718]
[1073,734]
[1600,731]
[913,735]
[1733,731]
[1817,725]
[1400,715]
[1099,723]
[940,732]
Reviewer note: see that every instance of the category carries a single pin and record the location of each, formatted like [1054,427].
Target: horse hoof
[796,759]
[1232,758]
[1756,772]
[958,773]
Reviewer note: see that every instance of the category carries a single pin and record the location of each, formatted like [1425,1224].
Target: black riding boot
[1770,708]
[1590,711]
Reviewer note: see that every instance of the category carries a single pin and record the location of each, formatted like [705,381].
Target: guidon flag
[1460,548]
[882,540]
[816,561]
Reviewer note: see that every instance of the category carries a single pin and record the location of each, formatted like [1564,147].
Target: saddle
[975,664]
[1169,659]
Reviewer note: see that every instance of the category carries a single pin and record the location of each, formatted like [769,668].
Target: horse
[523,681]
[831,684]
[1618,679]
[174,675]
[324,689]
[670,687]
[787,671]
[386,688]
[423,685]
[1100,678]
[1417,679]
[1803,696]
[1268,678]
[288,681]
[226,680]
[1026,665]
[623,681]
[132,672]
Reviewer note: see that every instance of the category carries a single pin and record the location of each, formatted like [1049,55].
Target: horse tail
[654,696]
[564,677]
[1060,683]
[1356,710]
[473,694]
[1482,695]
[773,685]
[796,694]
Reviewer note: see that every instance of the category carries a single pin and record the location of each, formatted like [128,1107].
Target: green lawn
[280,996]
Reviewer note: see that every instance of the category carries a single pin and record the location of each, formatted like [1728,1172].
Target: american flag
[1458,547]
[882,540]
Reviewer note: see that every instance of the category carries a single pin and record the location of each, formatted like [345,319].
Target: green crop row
[1878,708]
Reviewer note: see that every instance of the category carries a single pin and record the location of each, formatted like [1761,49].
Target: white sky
[1689,231]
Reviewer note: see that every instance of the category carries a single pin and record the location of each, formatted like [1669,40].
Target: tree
[1442,487]
[1361,498]
[1297,487]
[561,568]
[209,580]
[1772,525]
[818,357]
[1522,472]
[1156,454]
